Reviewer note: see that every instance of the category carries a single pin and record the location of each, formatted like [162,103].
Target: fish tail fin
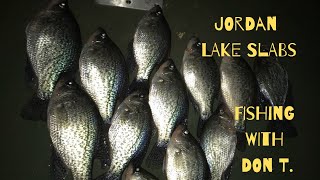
[136,84]
[241,141]
[35,109]
[156,156]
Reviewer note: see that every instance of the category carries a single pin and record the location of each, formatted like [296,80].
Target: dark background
[25,147]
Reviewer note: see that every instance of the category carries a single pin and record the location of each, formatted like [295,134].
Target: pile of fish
[104,116]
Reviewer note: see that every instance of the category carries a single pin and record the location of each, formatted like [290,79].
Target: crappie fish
[202,79]
[129,133]
[73,126]
[169,106]
[273,84]
[53,45]
[185,158]
[132,173]
[218,141]
[103,72]
[168,101]
[272,79]
[238,86]
[151,43]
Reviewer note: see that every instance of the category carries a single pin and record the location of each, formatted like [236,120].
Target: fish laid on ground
[103,72]
[53,45]
[184,158]
[202,79]
[218,141]
[273,85]
[238,86]
[73,126]
[129,133]
[272,80]
[132,173]
[151,43]
[168,101]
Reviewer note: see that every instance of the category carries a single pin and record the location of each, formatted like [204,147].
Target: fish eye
[171,67]
[221,112]
[69,82]
[198,44]
[141,95]
[186,132]
[158,13]
[137,169]
[103,35]
[62,5]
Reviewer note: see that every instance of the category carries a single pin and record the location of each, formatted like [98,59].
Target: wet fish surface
[103,72]
[73,126]
[168,101]
[169,104]
[185,158]
[272,79]
[53,45]
[273,84]
[129,133]
[238,86]
[151,43]
[202,79]
[218,141]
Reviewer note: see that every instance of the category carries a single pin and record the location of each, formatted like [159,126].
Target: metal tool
[133,4]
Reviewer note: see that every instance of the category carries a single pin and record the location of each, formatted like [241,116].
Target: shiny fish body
[272,79]
[218,142]
[168,101]
[151,43]
[185,158]
[129,133]
[53,45]
[132,173]
[201,76]
[238,86]
[103,72]
[73,127]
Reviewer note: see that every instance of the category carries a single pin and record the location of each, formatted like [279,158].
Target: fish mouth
[99,35]
[180,130]
[193,44]
[156,10]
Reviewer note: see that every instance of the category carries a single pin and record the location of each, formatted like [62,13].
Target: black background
[25,147]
